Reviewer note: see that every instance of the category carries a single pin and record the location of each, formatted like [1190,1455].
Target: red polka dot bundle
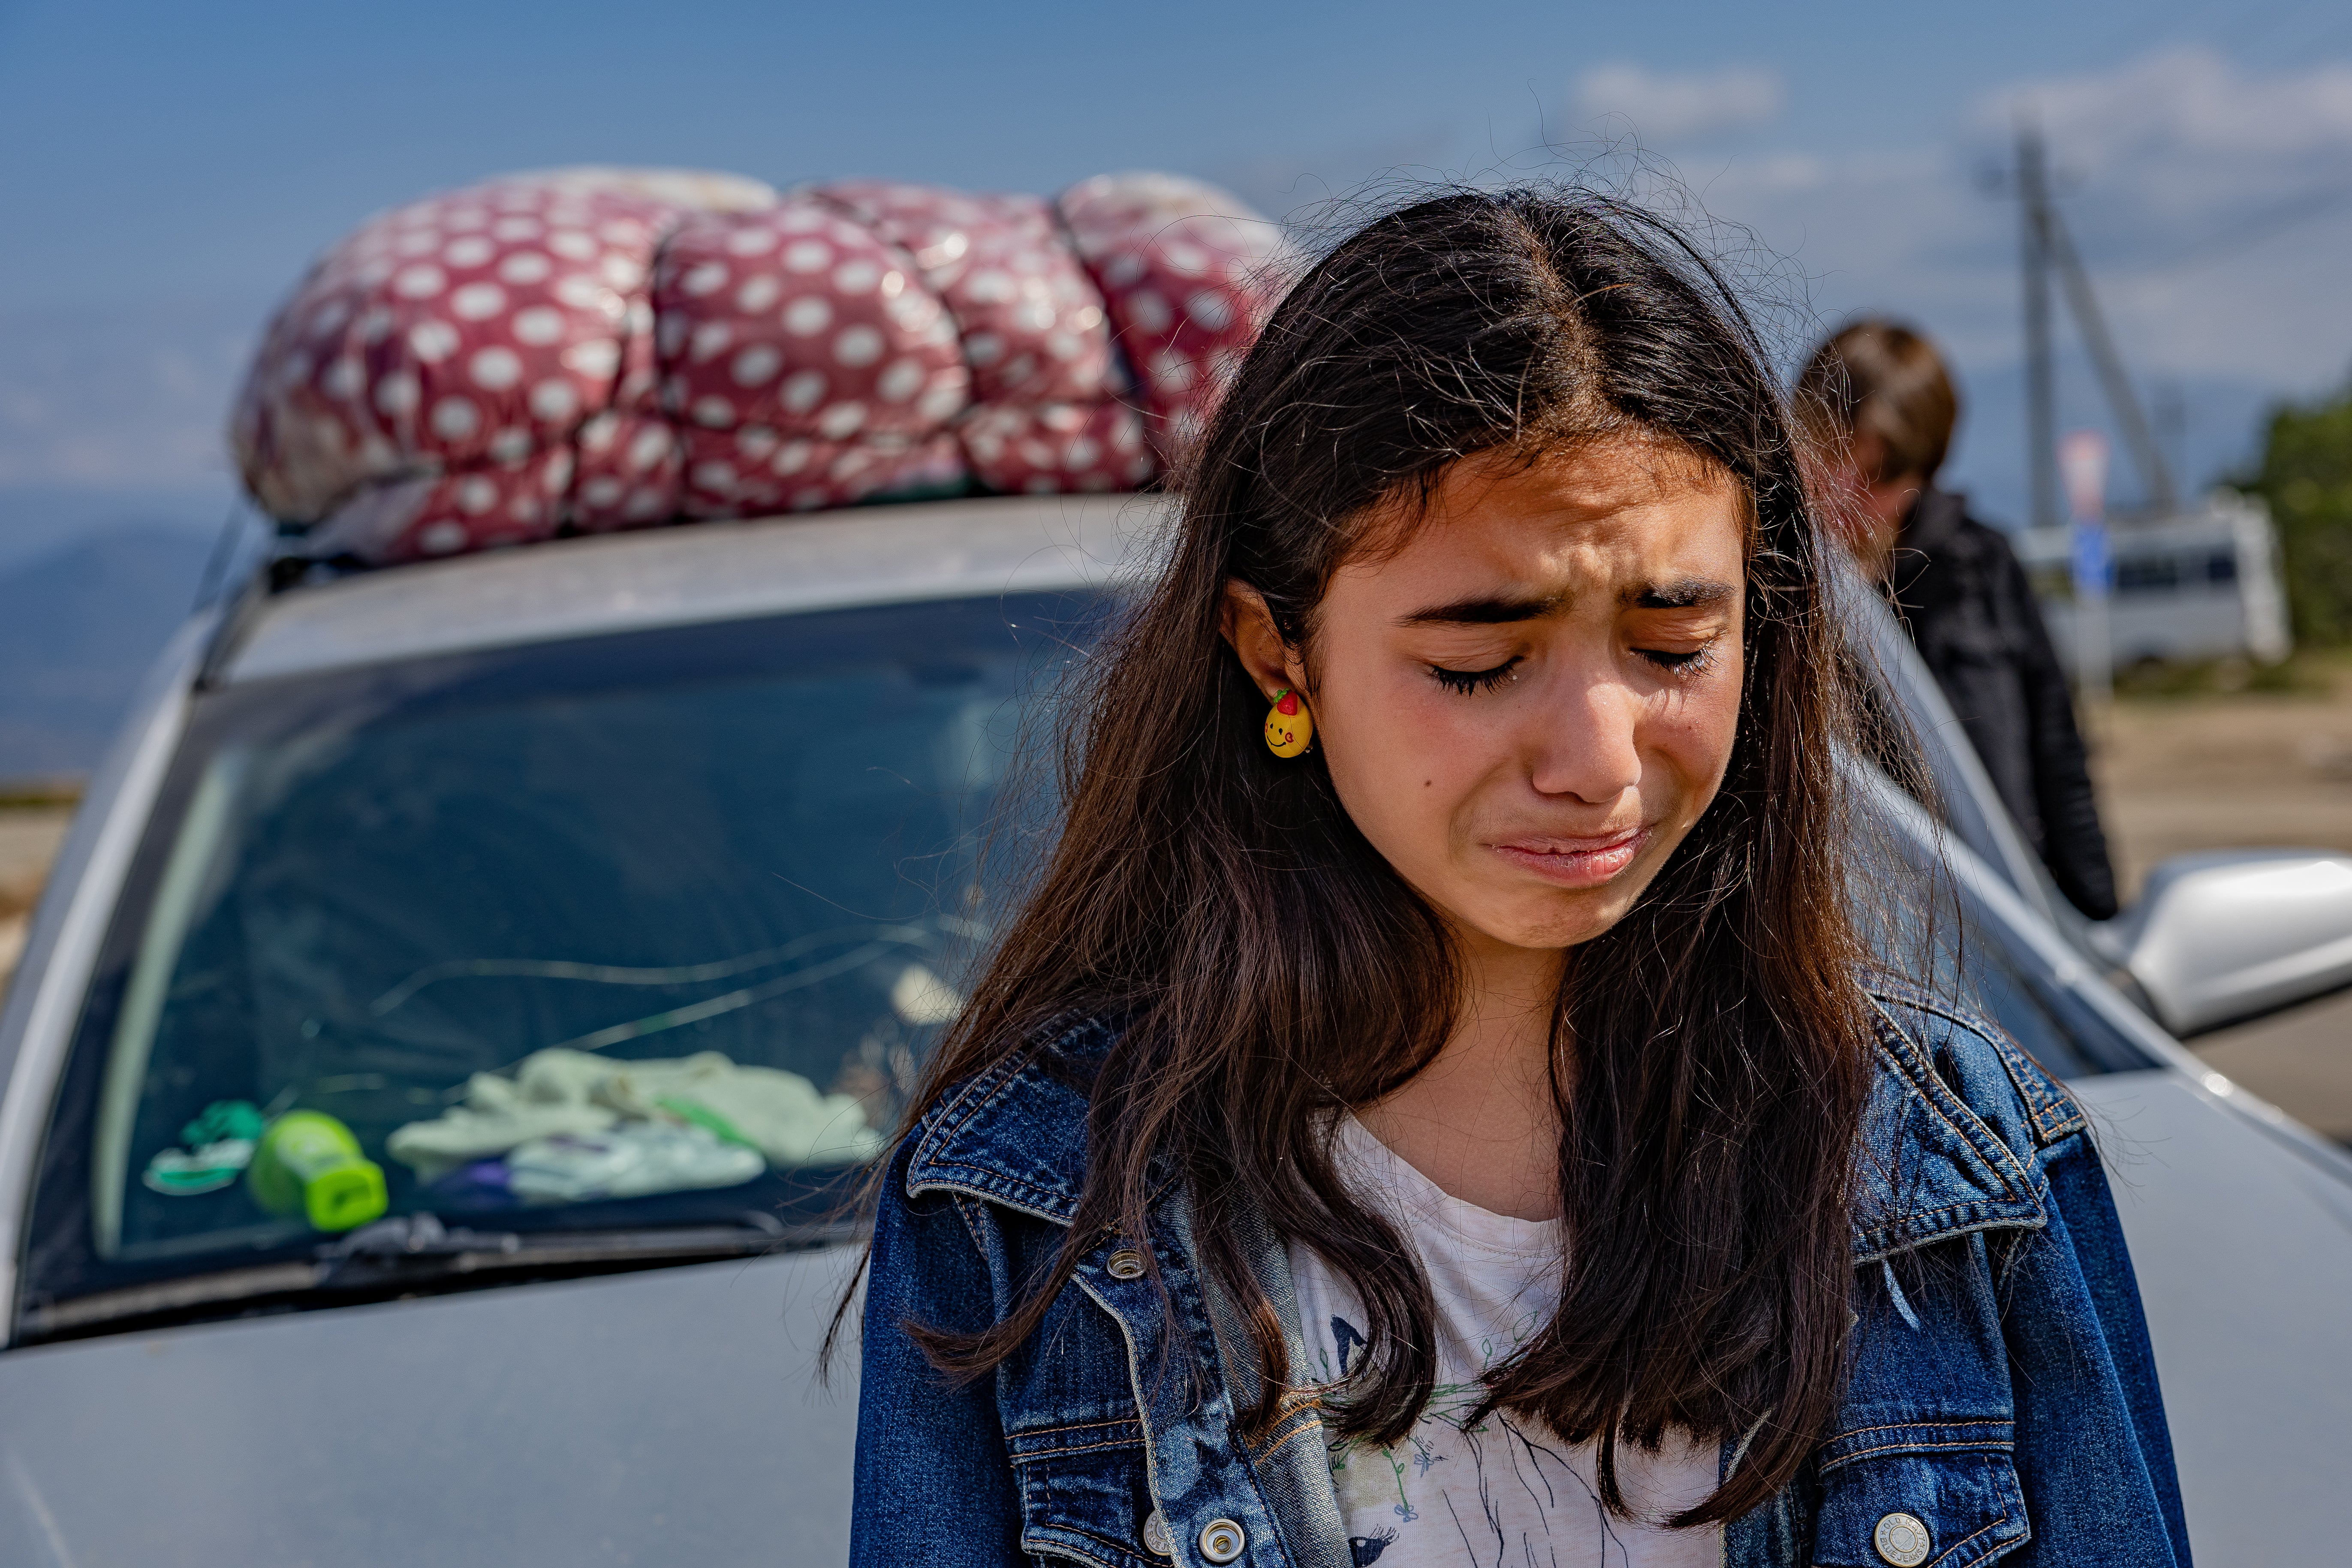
[1188,276]
[588,350]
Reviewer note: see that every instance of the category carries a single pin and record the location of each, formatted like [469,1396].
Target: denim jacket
[2001,1400]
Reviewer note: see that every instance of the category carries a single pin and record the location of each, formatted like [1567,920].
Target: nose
[1581,743]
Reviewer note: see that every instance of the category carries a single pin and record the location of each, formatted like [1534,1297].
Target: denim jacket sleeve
[934,1479]
[2002,1397]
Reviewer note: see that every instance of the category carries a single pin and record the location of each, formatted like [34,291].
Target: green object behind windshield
[309,1164]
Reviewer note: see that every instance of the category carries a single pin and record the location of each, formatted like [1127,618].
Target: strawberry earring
[1288,726]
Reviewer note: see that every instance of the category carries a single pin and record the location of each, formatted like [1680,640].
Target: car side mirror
[2219,937]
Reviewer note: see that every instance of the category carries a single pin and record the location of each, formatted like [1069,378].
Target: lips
[1567,862]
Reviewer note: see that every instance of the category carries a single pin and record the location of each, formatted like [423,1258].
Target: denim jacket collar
[1931,1168]
[1016,1134]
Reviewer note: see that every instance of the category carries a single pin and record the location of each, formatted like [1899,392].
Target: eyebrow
[1494,611]
[1497,610]
[1683,594]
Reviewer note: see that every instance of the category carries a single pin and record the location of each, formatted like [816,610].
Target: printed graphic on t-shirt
[1496,1491]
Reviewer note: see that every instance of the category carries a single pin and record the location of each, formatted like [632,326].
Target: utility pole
[2170,413]
[2041,389]
[2046,245]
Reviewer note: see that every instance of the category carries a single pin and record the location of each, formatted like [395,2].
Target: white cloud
[1670,107]
[2185,102]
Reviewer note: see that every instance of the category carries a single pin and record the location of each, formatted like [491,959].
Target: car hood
[663,1417]
[2240,1233]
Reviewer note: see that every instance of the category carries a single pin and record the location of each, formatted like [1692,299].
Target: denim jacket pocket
[1085,1492]
[1923,1494]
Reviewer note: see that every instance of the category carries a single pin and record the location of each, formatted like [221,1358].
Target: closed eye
[1470,681]
[1693,659]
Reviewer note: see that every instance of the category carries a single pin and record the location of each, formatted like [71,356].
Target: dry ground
[2175,774]
[29,841]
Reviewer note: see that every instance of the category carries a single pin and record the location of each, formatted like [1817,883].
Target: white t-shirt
[1503,1491]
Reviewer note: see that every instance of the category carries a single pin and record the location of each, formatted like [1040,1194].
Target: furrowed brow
[1487,612]
[1683,594]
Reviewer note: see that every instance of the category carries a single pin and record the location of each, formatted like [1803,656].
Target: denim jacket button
[1221,1540]
[1902,1539]
[1155,1535]
[1126,1263]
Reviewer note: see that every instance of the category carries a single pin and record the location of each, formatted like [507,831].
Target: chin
[1589,916]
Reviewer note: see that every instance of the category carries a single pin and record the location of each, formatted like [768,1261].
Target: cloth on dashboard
[629,1160]
[559,1092]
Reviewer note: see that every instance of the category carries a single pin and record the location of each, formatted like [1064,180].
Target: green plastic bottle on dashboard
[309,1164]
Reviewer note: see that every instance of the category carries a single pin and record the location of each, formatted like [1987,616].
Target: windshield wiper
[412,1252]
[410,1248]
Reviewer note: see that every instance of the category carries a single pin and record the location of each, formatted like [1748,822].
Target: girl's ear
[1248,625]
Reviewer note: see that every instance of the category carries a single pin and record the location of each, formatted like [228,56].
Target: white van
[2202,584]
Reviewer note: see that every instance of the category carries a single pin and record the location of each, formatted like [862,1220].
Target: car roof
[700,573]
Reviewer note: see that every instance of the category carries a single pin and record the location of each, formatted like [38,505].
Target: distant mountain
[40,520]
[78,626]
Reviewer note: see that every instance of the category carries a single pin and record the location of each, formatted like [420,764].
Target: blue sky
[167,170]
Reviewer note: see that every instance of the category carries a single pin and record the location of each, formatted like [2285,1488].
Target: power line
[2262,230]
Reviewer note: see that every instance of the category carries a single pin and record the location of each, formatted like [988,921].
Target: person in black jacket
[1881,407]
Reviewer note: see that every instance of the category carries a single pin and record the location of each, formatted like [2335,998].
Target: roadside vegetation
[2305,475]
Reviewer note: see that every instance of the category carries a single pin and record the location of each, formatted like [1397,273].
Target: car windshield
[650,928]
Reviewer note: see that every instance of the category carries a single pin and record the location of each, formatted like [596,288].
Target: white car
[608,891]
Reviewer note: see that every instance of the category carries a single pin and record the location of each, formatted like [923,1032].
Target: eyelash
[1689,663]
[1470,682]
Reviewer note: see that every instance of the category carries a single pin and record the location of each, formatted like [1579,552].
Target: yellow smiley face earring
[1288,726]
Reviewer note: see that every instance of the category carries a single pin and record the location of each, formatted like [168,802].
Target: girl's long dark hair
[1711,1054]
